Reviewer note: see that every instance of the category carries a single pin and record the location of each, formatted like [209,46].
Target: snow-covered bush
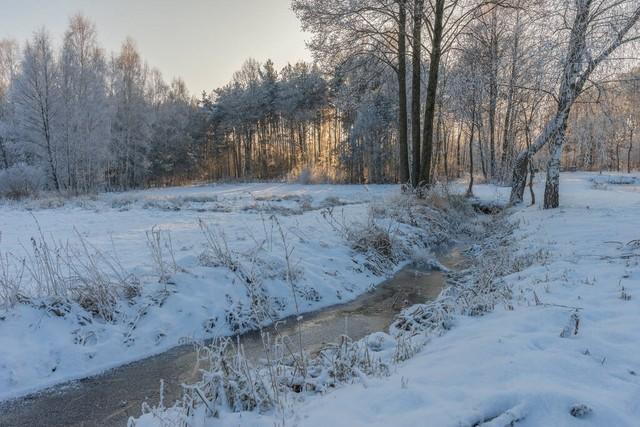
[433,317]
[475,291]
[21,180]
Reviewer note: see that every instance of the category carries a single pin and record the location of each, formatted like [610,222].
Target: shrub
[311,175]
[21,180]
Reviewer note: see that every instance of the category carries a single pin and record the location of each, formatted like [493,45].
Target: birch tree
[596,30]
[9,61]
[85,111]
[131,124]
[37,99]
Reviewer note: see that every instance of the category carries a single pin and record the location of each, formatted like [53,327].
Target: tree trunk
[519,177]
[532,173]
[493,94]
[506,140]
[445,153]
[5,160]
[483,164]
[629,151]
[52,167]
[552,186]
[470,188]
[402,93]
[432,87]
[458,153]
[415,92]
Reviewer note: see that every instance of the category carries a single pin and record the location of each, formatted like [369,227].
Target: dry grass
[60,274]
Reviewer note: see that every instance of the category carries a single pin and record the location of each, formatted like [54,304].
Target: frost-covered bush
[244,267]
[475,291]
[601,182]
[63,272]
[305,176]
[231,382]
[371,239]
[310,175]
[21,180]
[433,317]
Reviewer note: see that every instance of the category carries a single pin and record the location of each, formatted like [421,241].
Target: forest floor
[562,349]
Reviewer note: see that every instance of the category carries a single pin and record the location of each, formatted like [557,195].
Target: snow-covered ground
[41,345]
[563,351]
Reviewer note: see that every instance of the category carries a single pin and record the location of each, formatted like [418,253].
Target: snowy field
[562,351]
[207,283]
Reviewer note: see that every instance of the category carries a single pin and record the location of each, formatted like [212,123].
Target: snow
[39,349]
[516,364]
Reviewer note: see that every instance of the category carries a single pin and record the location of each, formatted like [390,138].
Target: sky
[202,41]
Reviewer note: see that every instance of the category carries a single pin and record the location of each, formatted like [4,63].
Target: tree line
[77,120]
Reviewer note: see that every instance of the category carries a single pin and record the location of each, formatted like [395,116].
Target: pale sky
[202,41]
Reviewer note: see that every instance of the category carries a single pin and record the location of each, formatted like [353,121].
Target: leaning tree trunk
[573,81]
[552,185]
[570,87]
[519,177]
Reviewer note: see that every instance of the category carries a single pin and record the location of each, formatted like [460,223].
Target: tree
[374,30]
[416,83]
[402,92]
[37,99]
[9,59]
[448,19]
[172,154]
[131,124]
[596,32]
[84,120]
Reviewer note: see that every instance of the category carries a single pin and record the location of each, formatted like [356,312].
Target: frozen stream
[112,397]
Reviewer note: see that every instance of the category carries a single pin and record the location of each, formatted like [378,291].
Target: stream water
[111,398]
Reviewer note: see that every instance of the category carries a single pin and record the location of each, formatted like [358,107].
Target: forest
[399,91]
